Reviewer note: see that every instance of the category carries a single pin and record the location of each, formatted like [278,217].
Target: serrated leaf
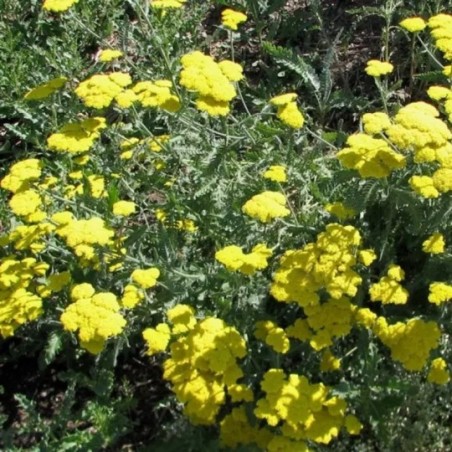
[53,347]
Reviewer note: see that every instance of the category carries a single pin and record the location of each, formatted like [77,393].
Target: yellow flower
[77,137]
[283,99]
[411,342]
[21,174]
[438,373]
[387,289]
[25,202]
[439,92]
[124,208]
[157,339]
[413,24]
[423,185]
[132,296]
[340,210]
[235,259]
[212,107]
[232,71]
[232,19]
[375,123]
[266,206]
[182,316]
[108,55]
[272,335]
[442,179]
[439,293]
[100,90]
[367,256]
[290,115]
[96,318]
[58,5]
[435,244]
[376,68]
[146,278]
[371,157]
[276,173]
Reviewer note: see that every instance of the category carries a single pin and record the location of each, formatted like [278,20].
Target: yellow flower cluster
[413,24]
[325,264]
[108,55]
[46,89]
[124,208]
[438,373]
[288,111]
[304,411]
[411,342]
[234,259]
[29,237]
[340,210]
[100,90]
[440,29]
[145,278]
[376,68]
[211,81]
[27,204]
[18,305]
[388,289]
[232,19]
[435,244]
[272,335]
[58,5]
[26,201]
[276,173]
[78,137]
[439,293]
[157,94]
[417,126]
[266,206]
[371,157]
[328,321]
[21,175]
[202,365]
[441,93]
[95,316]
[375,123]
[83,235]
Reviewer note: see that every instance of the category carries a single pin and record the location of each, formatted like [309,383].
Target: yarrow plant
[185,234]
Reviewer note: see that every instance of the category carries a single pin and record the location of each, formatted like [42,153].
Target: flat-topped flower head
[266,206]
[232,19]
[108,55]
[58,6]
[413,24]
[376,68]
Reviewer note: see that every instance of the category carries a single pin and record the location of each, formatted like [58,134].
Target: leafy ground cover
[225,225]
